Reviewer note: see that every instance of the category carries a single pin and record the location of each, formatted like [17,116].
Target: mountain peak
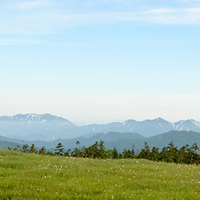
[196,123]
[34,117]
[159,119]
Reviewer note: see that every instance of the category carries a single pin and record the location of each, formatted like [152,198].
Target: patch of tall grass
[33,176]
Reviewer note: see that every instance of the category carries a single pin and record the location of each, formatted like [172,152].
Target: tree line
[169,153]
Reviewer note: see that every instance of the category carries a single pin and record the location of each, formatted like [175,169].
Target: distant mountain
[47,127]
[8,142]
[147,128]
[187,125]
[5,145]
[33,126]
[179,138]
[71,143]
[112,136]
[115,139]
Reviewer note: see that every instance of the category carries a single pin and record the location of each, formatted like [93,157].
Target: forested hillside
[118,140]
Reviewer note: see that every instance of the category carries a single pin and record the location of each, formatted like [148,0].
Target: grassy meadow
[33,176]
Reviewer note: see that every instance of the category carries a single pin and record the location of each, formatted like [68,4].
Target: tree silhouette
[59,149]
[33,149]
[25,148]
[115,153]
[42,151]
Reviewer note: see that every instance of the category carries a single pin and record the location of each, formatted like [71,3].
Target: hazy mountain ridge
[179,138]
[49,127]
[71,143]
[30,116]
[23,126]
[146,128]
[113,139]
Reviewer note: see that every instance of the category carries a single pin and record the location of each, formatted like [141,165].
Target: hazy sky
[98,61]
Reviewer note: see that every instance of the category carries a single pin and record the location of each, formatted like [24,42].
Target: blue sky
[100,61]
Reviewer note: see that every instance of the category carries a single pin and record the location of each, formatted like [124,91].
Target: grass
[32,176]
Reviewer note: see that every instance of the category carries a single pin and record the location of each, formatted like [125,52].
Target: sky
[100,61]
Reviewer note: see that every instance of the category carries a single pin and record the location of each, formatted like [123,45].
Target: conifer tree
[42,151]
[59,149]
[25,148]
[154,154]
[102,151]
[115,153]
[33,149]
[145,152]
[133,151]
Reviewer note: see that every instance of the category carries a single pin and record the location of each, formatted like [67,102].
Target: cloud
[168,16]
[32,4]
[17,41]
[160,16]
[30,18]
[161,11]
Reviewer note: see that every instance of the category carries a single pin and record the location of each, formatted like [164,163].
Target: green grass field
[33,176]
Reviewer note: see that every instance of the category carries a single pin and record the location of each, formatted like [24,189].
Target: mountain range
[111,140]
[47,127]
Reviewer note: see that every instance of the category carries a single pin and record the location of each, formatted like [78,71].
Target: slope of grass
[31,176]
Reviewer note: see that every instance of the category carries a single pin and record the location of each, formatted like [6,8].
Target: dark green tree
[194,147]
[67,153]
[171,153]
[133,151]
[33,149]
[126,153]
[109,153]
[59,149]
[95,150]
[77,142]
[181,155]
[191,156]
[154,154]
[102,151]
[42,151]
[115,154]
[145,152]
[25,148]
[50,153]
[9,148]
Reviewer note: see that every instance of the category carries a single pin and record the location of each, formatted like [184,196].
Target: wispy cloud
[161,11]
[161,16]
[172,16]
[17,41]
[48,17]
[32,4]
